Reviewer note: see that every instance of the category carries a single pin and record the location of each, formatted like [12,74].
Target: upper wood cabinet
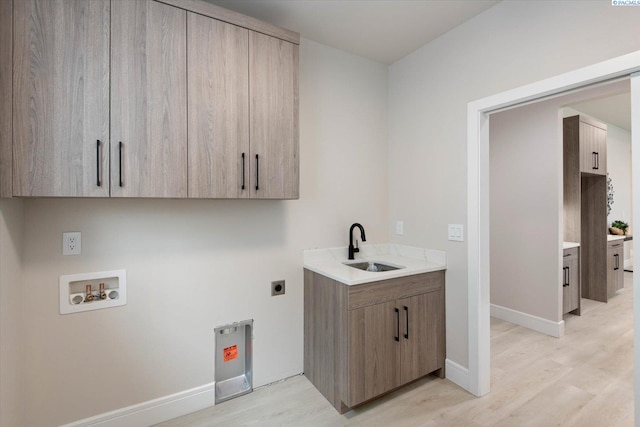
[591,137]
[218,108]
[61,98]
[148,100]
[145,98]
[273,82]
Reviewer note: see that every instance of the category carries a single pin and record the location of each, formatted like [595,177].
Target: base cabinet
[615,267]
[362,341]
[571,281]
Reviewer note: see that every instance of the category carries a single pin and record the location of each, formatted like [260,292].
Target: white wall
[11,298]
[194,265]
[525,207]
[507,46]
[619,169]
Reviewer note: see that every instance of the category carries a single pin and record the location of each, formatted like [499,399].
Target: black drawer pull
[257,173]
[98,174]
[243,171]
[397,337]
[406,316]
[120,163]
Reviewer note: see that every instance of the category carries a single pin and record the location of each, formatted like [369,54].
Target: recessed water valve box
[92,291]
[233,360]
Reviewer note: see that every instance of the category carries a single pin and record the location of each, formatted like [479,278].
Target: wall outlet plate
[456,232]
[277,288]
[72,243]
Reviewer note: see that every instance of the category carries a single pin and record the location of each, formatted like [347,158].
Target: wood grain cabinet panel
[571,292]
[615,267]
[273,83]
[148,100]
[218,108]
[593,147]
[6,88]
[422,336]
[61,98]
[373,351]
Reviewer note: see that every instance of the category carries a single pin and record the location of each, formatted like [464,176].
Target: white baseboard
[154,411]
[547,327]
[456,374]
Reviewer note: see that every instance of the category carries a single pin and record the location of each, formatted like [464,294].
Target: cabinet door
[273,83]
[218,69]
[421,336]
[593,149]
[148,100]
[61,98]
[619,266]
[612,269]
[374,345]
[571,285]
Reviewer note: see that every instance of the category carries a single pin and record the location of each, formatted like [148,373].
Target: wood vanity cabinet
[61,98]
[571,281]
[615,266]
[145,98]
[362,341]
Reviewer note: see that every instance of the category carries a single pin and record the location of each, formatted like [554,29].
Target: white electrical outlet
[400,228]
[72,243]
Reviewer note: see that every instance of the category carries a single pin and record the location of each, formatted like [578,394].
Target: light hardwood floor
[583,379]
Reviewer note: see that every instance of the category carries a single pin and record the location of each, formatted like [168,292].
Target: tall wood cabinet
[585,200]
[61,98]
[145,98]
[362,341]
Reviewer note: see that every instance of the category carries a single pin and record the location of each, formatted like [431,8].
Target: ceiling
[614,109]
[381,30]
[388,30]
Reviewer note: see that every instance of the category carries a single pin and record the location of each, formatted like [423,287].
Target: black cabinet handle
[257,173]
[617,259]
[566,277]
[406,317]
[397,337]
[120,163]
[593,160]
[99,181]
[243,171]
[597,160]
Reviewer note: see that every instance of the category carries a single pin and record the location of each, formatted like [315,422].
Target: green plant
[620,224]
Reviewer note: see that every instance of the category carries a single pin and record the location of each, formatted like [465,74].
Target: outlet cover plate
[277,288]
[72,243]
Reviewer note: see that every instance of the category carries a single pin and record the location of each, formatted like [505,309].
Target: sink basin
[373,266]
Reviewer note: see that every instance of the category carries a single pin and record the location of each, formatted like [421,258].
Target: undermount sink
[373,266]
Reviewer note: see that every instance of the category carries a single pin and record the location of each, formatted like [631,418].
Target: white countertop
[569,245]
[330,262]
[611,237]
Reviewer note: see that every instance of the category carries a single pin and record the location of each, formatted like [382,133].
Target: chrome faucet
[355,249]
